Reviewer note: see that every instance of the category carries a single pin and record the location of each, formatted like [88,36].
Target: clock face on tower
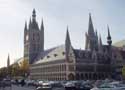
[27,37]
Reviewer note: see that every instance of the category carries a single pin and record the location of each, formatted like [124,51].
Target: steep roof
[57,53]
[120,43]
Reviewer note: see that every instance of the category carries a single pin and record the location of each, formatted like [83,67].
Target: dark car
[57,86]
[86,87]
[7,82]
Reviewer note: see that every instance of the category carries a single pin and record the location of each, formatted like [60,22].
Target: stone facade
[63,62]
[33,39]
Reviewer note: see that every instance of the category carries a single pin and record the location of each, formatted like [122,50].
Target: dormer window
[63,53]
[55,55]
[48,56]
[41,57]
[70,54]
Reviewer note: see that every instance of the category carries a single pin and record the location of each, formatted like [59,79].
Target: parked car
[36,83]
[57,86]
[7,82]
[45,86]
[85,86]
[70,86]
[29,82]
[40,83]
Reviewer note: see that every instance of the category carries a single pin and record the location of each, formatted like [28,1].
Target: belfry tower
[33,39]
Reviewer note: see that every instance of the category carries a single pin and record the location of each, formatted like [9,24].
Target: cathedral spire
[42,35]
[90,27]
[25,28]
[30,23]
[42,25]
[109,36]
[8,61]
[68,37]
[67,43]
[109,41]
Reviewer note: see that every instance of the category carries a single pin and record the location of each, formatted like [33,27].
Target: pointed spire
[42,35]
[109,36]
[68,37]
[42,25]
[90,27]
[25,28]
[100,48]
[67,43]
[34,15]
[30,23]
[109,41]
[34,11]
[8,61]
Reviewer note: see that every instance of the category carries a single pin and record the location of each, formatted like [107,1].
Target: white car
[45,86]
[40,83]
[95,88]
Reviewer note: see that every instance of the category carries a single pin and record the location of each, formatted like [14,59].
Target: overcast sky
[57,14]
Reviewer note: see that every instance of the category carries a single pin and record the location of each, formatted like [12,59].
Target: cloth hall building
[64,62]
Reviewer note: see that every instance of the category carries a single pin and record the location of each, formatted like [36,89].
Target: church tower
[91,37]
[33,39]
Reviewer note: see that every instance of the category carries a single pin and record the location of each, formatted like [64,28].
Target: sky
[57,14]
